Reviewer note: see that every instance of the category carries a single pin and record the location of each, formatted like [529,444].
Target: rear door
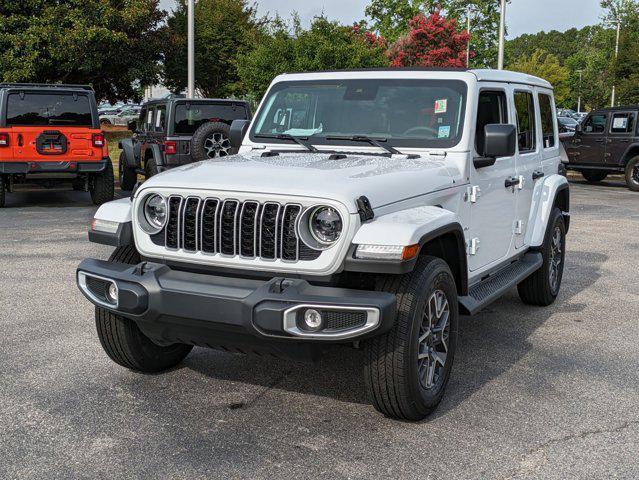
[620,135]
[51,126]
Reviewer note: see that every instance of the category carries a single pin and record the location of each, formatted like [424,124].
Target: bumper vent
[229,227]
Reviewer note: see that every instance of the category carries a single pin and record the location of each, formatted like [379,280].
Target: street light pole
[191,49]
[468,30]
[579,100]
[502,30]
[614,88]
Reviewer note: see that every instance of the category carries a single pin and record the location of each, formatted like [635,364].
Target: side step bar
[491,288]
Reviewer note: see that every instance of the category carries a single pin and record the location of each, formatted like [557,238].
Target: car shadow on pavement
[489,345]
[51,198]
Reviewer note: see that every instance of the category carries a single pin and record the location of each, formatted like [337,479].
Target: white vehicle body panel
[543,203]
[115,211]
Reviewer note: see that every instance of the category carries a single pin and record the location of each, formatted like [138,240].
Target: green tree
[112,44]
[547,66]
[390,18]
[325,45]
[224,30]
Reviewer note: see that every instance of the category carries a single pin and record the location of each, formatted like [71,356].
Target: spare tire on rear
[211,140]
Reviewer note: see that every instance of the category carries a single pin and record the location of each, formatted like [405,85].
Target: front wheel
[542,287]
[594,176]
[407,369]
[125,343]
[632,174]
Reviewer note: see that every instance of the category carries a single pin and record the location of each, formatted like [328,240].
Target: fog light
[312,319]
[112,293]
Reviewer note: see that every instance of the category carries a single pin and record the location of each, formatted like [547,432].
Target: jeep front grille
[230,227]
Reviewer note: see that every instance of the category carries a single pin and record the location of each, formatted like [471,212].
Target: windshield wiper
[286,136]
[377,142]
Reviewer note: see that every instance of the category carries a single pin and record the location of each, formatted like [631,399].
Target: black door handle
[511,182]
[537,175]
[600,140]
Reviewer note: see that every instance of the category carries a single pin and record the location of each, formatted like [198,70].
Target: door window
[622,123]
[492,108]
[547,120]
[148,122]
[160,118]
[526,123]
[595,124]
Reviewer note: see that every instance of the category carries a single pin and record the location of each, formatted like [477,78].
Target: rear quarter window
[189,117]
[45,109]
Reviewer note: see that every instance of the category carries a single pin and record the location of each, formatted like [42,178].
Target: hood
[382,179]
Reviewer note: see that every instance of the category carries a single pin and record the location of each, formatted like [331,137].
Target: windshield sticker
[444,131]
[441,106]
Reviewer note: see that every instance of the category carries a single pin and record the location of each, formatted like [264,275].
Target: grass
[112,138]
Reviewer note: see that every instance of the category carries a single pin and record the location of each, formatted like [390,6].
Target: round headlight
[325,224]
[155,212]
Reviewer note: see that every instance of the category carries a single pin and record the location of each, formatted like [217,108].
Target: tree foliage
[547,66]
[225,29]
[325,45]
[112,44]
[431,41]
[391,17]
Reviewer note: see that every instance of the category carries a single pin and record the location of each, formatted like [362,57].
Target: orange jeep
[50,135]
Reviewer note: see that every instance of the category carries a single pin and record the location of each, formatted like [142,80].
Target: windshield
[65,109]
[568,121]
[406,113]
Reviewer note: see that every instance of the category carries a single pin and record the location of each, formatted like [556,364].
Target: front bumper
[173,306]
[67,166]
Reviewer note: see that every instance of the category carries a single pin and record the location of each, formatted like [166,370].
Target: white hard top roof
[430,73]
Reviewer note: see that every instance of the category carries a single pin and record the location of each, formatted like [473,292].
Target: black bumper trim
[199,308]
[39,166]
[122,237]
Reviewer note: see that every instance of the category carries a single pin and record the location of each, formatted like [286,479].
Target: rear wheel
[594,176]
[151,168]
[127,176]
[211,140]
[101,188]
[125,343]
[632,174]
[542,287]
[407,369]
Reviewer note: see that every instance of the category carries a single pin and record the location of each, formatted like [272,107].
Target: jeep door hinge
[472,194]
[473,246]
[518,227]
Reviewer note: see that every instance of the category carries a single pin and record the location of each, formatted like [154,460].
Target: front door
[620,135]
[493,205]
[588,147]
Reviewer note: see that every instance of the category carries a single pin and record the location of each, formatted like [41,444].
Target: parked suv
[607,141]
[172,132]
[366,208]
[49,135]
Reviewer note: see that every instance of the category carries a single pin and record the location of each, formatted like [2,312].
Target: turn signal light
[4,139]
[170,147]
[387,252]
[98,140]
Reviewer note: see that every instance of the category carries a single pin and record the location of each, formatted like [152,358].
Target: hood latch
[364,209]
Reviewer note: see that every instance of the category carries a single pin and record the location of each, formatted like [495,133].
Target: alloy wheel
[554,267]
[217,145]
[433,339]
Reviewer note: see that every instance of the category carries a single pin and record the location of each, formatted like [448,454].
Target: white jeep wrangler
[369,208]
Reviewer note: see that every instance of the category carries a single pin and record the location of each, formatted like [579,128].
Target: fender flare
[419,225]
[544,200]
[131,151]
[118,211]
[626,157]
[156,154]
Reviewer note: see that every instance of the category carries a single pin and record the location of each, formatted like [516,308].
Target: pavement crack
[262,393]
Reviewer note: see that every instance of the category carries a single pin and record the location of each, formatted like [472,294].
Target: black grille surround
[229,227]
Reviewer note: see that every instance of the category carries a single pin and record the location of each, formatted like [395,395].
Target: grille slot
[230,227]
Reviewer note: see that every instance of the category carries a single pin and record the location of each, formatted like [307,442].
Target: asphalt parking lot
[535,393]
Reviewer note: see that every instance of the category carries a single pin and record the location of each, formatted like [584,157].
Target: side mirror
[578,128]
[238,131]
[500,141]
[132,125]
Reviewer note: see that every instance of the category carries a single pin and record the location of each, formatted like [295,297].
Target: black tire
[594,176]
[102,187]
[632,174]
[105,121]
[211,140]
[3,190]
[125,343]
[393,372]
[127,176]
[151,168]
[542,288]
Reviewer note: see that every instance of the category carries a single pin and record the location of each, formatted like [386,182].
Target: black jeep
[607,141]
[175,131]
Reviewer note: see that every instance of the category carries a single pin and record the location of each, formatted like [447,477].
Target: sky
[523,16]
